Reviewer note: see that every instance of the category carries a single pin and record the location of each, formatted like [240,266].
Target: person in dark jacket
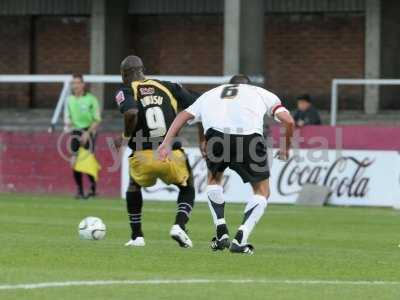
[306,113]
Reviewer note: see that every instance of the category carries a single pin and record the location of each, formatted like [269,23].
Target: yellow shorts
[145,168]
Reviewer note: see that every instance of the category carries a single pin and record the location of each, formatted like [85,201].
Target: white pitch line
[43,285]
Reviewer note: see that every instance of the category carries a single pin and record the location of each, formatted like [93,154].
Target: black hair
[304,97]
[240,78]
[78,75]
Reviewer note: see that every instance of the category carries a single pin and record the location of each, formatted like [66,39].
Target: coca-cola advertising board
[355,177]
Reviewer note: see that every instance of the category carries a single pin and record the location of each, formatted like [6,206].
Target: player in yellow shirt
[149,107]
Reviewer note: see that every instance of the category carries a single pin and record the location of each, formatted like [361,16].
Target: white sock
[253,212]
[216,203]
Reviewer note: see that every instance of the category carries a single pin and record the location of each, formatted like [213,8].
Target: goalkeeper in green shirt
[82,120]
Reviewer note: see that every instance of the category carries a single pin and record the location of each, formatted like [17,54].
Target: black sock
[221,230]
[185,205]
[92,184]
[78,181]
[239,236]
[219,210]
[134,204]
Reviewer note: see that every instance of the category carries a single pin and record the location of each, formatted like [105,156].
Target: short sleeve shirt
[234,108]
[83,111]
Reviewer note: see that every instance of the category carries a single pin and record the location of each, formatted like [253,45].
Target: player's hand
[118,141]
[203,148]
[163,152]
[72,161]
[84,138]
[67,127]
[282,155]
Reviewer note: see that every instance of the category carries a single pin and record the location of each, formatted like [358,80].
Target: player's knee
[133,187]
[263,193]
[264,202]
[215,192]
[261,189]
[186,195]
[188,190]
[215,178]
[261,200]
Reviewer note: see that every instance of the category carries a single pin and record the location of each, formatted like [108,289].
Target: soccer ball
[92,228]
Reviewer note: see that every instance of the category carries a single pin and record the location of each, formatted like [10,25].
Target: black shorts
[76,143]
[245,154]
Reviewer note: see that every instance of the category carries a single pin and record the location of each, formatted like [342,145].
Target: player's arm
[181,119]
[276,110]
[67,118]
[96,115]
[130,122]
[129,110]
[95,111]
[185,99]
[287,121]
[202,140]
[192,114]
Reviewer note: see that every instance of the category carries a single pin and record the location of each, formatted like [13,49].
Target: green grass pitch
[301,253]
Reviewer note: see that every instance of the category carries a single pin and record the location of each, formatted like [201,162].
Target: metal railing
[337,82]
[66,80]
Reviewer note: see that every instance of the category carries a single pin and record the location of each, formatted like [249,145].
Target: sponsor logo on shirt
[84,108]
[120,97]
[147,90]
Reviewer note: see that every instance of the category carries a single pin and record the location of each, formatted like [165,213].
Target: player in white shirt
[232,116]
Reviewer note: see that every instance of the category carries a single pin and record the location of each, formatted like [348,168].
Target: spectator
[306,113]
[82,120]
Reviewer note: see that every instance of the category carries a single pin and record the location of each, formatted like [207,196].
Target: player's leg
[216,164]
[184,208]
[178,172]
[74,147]
[142,173]
[216,204]
[252,167]
[184,205]
[90,145]
[79,183]
[134,205]
[253,212]
[93,186]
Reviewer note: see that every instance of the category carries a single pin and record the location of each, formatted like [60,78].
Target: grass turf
[39,243]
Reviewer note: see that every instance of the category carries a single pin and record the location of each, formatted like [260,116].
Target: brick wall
[190,45]
[42,45]
[304,53]
[179,45]
[62,46]
[15,50]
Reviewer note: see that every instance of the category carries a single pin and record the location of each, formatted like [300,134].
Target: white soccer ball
[92,228]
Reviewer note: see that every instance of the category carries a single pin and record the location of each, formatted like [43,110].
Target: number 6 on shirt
[229,92]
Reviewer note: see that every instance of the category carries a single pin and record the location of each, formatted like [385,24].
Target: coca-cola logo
[345,176]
